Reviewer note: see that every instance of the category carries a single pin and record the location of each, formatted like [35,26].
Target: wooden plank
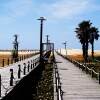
[77,85]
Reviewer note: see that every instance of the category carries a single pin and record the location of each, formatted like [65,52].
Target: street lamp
[65,43]
[41,32]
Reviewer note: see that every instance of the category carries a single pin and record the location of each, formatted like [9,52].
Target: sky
[62,17]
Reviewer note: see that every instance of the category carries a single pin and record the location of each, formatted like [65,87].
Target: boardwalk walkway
[76,85]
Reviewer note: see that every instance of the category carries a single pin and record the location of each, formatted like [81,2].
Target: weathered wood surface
[76,85]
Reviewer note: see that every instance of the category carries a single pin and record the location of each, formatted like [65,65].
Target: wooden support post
[28,66]
[24,57]
[14,60]
[31,64]
[55,79]
[19,71]
[11,77]
[3,63]
[56,84]
[91,73]
[99,77]
[20,58]
[79,65]
[8,61]
[86,69]
[24,69]
[35,62]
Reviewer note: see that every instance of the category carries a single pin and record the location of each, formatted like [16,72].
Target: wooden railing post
[35,62]
[24,57]
[19,71]
[99,77]
[31,64]
[8,61]
[11,77]
[24,69]
[91,73]
[28,66]
[20,58]
[3,63]
[86,70]
[56,79]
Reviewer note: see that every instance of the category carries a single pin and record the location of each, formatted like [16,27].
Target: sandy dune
[76,52]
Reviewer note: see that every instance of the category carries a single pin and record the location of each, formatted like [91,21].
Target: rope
[7,89]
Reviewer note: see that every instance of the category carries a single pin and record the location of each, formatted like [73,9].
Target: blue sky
[20,17]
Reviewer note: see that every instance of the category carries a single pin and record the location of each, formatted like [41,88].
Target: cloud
[67,8]
[60,9]
[15,9]
[18,8]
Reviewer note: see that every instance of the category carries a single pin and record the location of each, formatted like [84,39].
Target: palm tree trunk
[86,52]
[92,50]
[83,48]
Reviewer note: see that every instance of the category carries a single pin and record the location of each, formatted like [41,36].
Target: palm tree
[93,36]
[83,34]
[81,39]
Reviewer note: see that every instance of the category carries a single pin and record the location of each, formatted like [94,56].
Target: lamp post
[41,32]
[65,43]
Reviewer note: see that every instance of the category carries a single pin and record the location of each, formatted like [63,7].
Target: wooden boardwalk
[76,85]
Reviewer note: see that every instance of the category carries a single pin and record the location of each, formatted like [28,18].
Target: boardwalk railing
[84,67]
[11,75]
[58,83]
[8,60]
[27,86]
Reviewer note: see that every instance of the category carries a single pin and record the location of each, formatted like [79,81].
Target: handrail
[58,84]
[93,72]
[23,69]
[86,68]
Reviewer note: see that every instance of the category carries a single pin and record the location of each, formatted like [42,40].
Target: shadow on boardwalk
[26,88]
